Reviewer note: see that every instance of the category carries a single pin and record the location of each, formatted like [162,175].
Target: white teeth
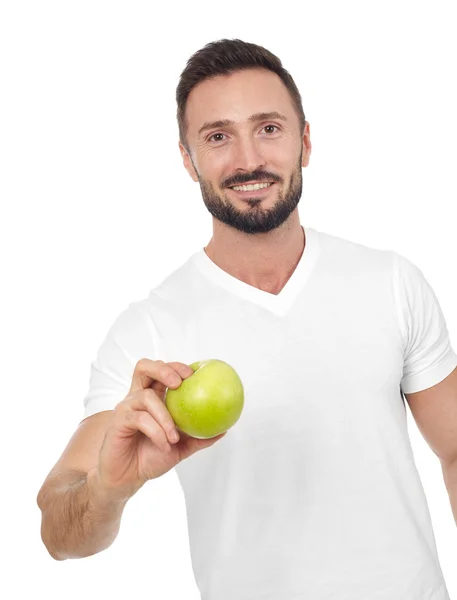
[251,187]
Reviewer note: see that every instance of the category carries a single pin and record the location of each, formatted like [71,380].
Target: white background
[96,208]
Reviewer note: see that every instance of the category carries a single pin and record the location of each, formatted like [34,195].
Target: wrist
[102,498]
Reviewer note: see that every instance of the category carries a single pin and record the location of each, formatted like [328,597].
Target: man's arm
[78,520]
[435,412]
[450,479]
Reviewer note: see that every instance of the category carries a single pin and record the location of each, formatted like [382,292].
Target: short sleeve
[127,341]
[428,355]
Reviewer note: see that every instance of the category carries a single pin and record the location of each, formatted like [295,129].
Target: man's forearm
[450,479]
[76,520]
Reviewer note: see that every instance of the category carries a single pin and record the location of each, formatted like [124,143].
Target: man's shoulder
[351,253]
[177,283]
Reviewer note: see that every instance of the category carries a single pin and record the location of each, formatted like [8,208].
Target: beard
[255,219]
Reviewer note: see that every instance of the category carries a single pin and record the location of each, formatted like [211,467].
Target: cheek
[215,168]
[281,154]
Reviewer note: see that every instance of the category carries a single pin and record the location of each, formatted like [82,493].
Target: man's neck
[265,261]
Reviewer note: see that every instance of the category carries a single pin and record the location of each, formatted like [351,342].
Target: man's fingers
[148,371]
[148,401]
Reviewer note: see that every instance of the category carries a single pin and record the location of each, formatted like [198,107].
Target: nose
[248,155]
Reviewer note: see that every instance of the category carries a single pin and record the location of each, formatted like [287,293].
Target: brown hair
[224,57]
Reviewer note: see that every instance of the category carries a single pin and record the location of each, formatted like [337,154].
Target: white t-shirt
[314,493]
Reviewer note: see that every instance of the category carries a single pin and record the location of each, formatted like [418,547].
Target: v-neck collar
[276,303]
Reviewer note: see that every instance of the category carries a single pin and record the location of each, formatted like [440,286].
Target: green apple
[208,402]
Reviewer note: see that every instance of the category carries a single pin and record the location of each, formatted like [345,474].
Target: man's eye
[272,127]
[214,135]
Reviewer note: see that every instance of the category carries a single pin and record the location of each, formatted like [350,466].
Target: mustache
[261,176]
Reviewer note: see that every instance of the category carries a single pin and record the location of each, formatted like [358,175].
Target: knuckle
[152,402]
[141,364]
[170,375]
[128,401]
[121,406]
[160,412]
[168,420]
[170,426]
[144,363]
[141,418]
[149,395]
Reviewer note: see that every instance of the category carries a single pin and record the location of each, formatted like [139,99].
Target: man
[314,492]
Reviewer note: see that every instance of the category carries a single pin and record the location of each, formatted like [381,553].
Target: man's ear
[306,146]
[187,162]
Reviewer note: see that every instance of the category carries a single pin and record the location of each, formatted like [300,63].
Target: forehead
[236,97]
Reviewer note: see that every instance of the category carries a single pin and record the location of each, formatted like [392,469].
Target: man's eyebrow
[262,116]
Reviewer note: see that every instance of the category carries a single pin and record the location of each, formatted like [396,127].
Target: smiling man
[244,138]
[248,165]
[313,493]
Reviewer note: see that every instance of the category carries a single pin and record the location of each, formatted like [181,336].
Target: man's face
[244,128]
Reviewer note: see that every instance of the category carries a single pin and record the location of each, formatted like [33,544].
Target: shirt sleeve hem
[431,377]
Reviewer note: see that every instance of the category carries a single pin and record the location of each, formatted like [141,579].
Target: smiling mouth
[251,187]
